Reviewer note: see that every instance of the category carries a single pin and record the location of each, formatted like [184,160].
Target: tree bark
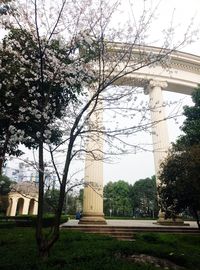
[3,153]
[39,233]
[197,217]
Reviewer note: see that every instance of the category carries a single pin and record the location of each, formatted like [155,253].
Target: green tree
[180,182]
[191,125]
[73,204]
[34,95]
[144,198]
[30,105]
[80,196]
[51,199]
[5,184]
[180,172]
[116,198]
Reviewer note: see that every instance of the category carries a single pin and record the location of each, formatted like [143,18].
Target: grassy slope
[85,251]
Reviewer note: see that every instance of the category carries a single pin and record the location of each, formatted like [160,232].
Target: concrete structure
[93,191]
[23,199]
[130,223]
[182,75]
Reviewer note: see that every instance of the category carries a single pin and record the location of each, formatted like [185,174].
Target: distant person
[78,215]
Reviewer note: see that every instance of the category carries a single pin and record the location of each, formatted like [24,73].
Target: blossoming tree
[62,64]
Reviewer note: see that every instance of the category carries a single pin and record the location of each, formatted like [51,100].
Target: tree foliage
[180,172]
[144,198]
[5,184]
[70,205]
[180,182]
[116,198]
[124,199]
[31,102]
[191,125]
[40,76]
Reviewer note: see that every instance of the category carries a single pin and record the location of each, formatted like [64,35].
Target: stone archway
[31,207]
[23,199]
[20,206]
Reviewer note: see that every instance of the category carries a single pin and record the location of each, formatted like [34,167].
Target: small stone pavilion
[23,199]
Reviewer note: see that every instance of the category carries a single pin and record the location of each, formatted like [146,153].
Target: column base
[96,219]
[178,221]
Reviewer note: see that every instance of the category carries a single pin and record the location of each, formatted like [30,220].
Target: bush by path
[28,221]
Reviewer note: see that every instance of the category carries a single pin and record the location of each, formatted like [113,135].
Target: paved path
[131,223]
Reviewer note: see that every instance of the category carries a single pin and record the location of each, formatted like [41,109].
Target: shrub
[30,221]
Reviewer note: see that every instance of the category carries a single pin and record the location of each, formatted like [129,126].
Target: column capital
[155,83]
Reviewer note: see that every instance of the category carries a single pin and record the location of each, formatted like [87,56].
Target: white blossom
[34,102]
[38,116]
[12,129]
[45,116]
[21,109]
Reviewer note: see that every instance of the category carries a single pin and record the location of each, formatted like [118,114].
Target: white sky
[133,167]
[141,165]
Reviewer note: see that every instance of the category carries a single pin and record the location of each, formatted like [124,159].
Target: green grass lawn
[76,250]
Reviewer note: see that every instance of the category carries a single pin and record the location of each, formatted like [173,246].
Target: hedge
[28,221]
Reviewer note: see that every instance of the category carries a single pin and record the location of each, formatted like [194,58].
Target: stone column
[160,136]
[25,206]
[8,210]
[13,206]
[93,190]
[35,207]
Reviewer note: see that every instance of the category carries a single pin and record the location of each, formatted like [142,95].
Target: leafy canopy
[191,125]
[37,83]
[180,172]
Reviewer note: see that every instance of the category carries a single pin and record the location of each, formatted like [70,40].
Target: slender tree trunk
[39,232]
[61,201]
[1,164]
[197,217]
[3,152]
[44,244]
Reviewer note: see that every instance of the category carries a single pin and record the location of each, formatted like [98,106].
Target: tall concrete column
[13,206]
[160,136]
[35,207]
[25,206]
[93,190]
[9,207]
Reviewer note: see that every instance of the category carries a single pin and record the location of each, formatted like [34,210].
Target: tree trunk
[39,233]
[1,164]
[197,217]
[3,152]
[44,244]
[43,251]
